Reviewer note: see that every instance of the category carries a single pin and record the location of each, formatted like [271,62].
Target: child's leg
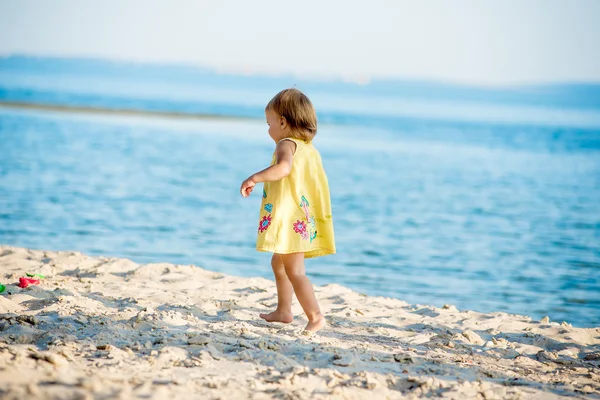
[283,313]
[294,268]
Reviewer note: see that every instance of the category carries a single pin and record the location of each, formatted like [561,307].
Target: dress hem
[309,253]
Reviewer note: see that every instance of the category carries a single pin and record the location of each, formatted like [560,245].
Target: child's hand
[247,187]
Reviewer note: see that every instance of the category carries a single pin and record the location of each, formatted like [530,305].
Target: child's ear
[283,123]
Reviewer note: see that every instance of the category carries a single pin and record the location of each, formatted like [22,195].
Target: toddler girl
[295,215]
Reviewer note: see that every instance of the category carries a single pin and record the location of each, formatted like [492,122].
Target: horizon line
[355,79]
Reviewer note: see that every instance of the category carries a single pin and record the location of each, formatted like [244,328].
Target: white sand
[110,328]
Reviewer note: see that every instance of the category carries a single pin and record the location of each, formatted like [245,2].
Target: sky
[478,42]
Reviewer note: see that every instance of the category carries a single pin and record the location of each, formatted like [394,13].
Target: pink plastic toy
[24,282]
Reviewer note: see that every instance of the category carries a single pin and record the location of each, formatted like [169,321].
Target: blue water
[493,208]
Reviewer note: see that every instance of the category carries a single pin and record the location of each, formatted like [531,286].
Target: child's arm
[284,153]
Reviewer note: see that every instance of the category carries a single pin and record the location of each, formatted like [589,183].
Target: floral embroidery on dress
[269,207]
[300,227]
[308,229]
[263,225]
[264,194]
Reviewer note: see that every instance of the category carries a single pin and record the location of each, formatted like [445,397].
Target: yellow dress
[295,214]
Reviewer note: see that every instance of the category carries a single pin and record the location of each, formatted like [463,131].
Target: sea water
[497,210]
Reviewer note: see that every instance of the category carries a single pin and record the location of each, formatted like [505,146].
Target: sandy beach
[99,327]
[116,112]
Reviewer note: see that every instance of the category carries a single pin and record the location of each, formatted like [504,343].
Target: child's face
[277,126]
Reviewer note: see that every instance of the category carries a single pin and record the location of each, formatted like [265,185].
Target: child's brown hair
[297,110]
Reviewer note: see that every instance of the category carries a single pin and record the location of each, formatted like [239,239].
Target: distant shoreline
[118,111]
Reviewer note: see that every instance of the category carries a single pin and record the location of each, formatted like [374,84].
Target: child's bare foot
[317,323]
[278,316]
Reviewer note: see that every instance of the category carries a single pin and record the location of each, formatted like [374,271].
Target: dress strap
[291,139]
[298,142]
